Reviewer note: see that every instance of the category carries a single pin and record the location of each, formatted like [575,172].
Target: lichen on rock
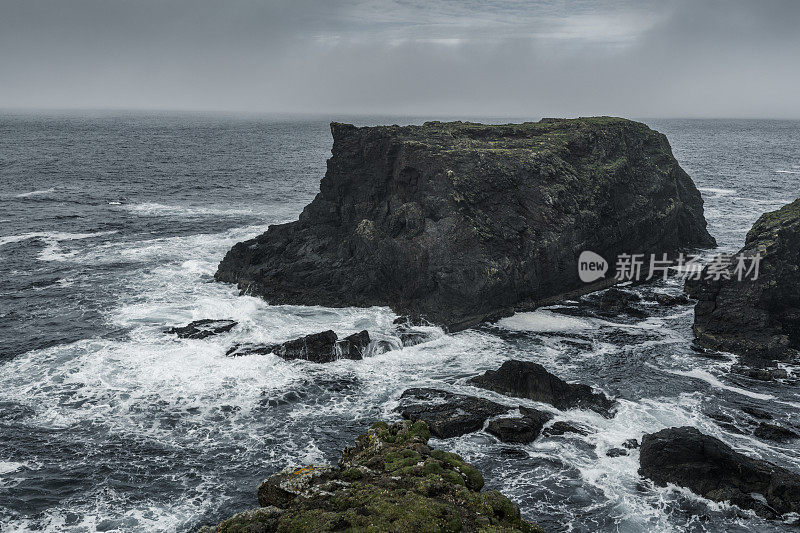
[389,481]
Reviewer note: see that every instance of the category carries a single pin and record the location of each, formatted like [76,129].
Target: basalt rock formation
[389,481]
[447,414]
[757,318]
[462,222]
[711,468]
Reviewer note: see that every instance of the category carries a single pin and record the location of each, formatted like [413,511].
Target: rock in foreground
[759,318]
[524,379]
[461,222]
[711,468]
[389,481]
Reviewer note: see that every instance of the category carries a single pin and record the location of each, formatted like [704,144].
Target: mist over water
[111,228]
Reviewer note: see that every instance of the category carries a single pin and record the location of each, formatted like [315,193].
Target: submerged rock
[200,329]
[761,317]
[616,452]
[461,222]
[521,430]
[389,481]
[773,432]
[669,300]
[447,414]
[711,468]
[524,379]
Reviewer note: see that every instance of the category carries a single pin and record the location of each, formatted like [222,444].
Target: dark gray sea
[111,228]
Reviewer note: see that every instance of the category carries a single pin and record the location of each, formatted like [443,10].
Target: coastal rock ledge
[391,480]
[462,222]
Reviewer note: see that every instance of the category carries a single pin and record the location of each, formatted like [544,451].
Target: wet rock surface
[391,480]
[521,430]
[460,222]
[200,329]
[711,468]
[447,414]
[524,379]
[757,318]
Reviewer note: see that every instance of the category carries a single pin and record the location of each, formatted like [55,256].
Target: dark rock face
[519,430]
[391,480]
[759,318]
[200,329]
[524,379]
[462,222]
[709,467]
[447,414]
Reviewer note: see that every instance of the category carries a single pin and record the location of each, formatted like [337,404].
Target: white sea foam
[156,209]
[709,378]
[717,191]
[7,467]
[542,321]
[35,193]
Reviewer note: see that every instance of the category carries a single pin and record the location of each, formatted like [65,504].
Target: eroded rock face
[462,222]
[391,480]
[323,347]
[757,318]
[447,414]
[709,467]
[524,379]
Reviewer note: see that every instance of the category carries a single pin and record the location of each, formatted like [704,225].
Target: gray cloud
[450,57]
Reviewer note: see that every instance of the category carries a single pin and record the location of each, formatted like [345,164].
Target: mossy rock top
[390,480]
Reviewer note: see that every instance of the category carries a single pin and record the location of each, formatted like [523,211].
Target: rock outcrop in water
[447,414]
[200,329]
[389,481]
[758,318]
[524,379]
[462,222]
[709,467]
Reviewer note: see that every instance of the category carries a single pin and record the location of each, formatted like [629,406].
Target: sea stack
[462,222]
[758,318]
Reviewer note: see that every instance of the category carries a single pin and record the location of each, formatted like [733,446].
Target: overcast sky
[639,58]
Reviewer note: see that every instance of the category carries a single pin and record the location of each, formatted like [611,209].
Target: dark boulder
[323,347]
[630,444]
[524,379]
[773,432]
[761,317]
[521,430]
[616,452]
[461,222]
[560,428]
[668,300]
[447,414]
[200,329]
[711,468]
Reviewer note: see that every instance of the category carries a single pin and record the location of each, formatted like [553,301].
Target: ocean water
[111,227]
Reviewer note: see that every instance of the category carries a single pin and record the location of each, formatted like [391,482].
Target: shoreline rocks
[757,318]
[323,347]
[712,469]
[524,379]
[391,480]
[520,430]
[461,222]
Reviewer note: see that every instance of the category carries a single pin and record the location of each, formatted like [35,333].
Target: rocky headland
[461,222]
[756,318]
